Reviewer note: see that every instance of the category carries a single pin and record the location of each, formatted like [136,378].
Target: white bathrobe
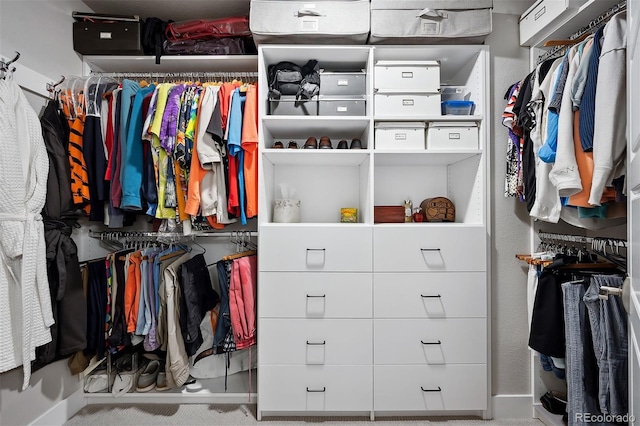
[25,303]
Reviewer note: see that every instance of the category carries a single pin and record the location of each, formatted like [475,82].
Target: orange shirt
[132,291]
[584,160]
[250,148]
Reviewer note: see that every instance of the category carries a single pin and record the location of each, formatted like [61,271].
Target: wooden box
[388,214]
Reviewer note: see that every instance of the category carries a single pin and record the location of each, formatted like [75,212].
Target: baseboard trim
[63,410]
[512,406]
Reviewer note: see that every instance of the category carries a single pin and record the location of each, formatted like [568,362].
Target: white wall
[22,26]
[509,224]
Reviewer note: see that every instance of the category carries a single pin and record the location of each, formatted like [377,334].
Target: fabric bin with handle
[317,22]
[430,21]
[342,83]
[451,136]
[342,105]
[407,76]
[399,135]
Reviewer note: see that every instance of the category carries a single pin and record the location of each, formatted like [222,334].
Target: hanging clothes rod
[546,237]
[224,75]
[116,235]
[591,28]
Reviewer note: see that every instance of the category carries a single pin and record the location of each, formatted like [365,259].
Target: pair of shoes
[149,376]
[312,143]
[553,403]
[355,144]
[280,145]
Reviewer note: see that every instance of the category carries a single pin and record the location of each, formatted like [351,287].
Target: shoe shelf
[315,157]
[428,118]
[241,388]
[421,157]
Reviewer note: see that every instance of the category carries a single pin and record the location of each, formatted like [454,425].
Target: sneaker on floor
[147,379]
[161,382]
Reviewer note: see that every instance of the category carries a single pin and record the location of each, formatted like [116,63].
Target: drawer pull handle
[324,342]
[429,249]
[315,249]
[316,390]
[431,390]
[431,343]
[311,295]
[430,295]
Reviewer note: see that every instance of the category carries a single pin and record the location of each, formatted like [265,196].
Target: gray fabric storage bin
[288,105]
[316,22]
[343,83]
[344,105]
[430,21]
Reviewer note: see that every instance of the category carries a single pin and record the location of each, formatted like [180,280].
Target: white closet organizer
[241,386]
[373,318]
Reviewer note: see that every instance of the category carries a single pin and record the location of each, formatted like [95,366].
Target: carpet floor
[231,414]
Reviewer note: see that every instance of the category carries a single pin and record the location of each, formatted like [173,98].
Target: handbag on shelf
[205,29]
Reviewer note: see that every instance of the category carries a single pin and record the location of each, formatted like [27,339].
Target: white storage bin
[543,13]
[408,105]
[398,135]
[451,136]
[407,76]
[299,22]
[430,21]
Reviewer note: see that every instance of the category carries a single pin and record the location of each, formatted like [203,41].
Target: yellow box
[348,215]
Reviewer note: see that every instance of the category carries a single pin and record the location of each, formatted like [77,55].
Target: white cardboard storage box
[451,136]
[411,105]
[399,135]
[407,76]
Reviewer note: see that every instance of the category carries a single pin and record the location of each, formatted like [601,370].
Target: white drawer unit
[437,248]
[430,295]
[407,105]
[399,135]
[430,387]
[407,76]
[311,295]
[447,136]
[316,341]
[315,388]
[312,248]
[434,341]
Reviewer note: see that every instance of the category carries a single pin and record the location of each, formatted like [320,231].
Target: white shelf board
[203,391]
[453,118]
[421,225]
[546,417]
[168,63]
[316,157]
[421,157]
[314,224]
[301,127]
[334,58]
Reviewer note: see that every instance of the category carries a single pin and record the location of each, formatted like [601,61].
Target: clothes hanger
[567,42]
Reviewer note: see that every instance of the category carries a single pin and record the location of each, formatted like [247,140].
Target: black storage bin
[107,38]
